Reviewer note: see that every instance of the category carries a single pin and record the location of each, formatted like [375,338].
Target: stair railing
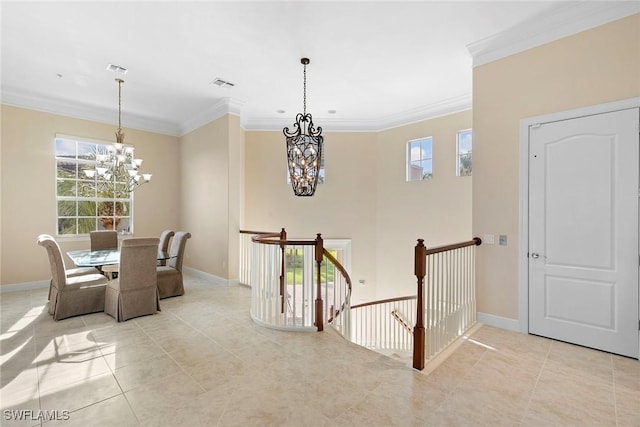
[284,285]
[375,325]
[449,300]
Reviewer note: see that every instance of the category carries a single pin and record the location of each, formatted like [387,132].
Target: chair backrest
[164,240]
[104,239]
[56,261]
[138,263]
[177,249]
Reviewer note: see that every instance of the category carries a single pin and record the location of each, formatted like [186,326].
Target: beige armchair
[71,296]
[170,282]
[135,292]
[164,244]
[71,272]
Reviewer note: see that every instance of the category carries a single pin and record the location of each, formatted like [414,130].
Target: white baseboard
[212,277]
[498,322]
[25,286]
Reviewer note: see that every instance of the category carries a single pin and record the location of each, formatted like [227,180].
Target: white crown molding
[219,109]
[568,19]
[85,112]
[442,108]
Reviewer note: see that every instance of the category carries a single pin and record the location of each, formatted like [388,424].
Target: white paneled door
[583,231]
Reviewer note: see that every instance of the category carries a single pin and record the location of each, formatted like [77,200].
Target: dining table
[102,257]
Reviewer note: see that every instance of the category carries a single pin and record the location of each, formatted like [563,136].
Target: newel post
[420,264]
[319,253]
[283,245]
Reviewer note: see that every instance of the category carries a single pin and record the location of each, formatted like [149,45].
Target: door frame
[523,220]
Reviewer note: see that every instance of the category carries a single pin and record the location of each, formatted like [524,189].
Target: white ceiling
[378,64]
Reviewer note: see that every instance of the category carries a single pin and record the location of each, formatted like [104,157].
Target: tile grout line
[535,385]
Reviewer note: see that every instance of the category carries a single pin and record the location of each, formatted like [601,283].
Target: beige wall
[438,210]
[28,186]
[210,195]
[592,67]
[366,198]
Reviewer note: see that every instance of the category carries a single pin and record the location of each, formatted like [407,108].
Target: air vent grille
[117,69]
[221,83]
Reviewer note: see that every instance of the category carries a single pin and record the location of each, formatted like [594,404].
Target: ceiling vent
[221,83]
[117,69]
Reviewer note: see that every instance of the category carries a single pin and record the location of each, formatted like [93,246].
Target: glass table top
[89,258]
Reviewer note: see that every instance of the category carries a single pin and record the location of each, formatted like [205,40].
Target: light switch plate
[488,239]
[503,240]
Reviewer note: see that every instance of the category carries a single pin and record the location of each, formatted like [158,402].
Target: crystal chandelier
[304,148]
[116,171]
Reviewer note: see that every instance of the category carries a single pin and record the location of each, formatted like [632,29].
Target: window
[420,159]
[464,153]
[82,206]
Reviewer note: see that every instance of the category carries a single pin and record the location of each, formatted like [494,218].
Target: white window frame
[410,162]
[459,155]
[126,224]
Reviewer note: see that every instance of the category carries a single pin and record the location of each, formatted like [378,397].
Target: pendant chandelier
[304,148]
[116,171]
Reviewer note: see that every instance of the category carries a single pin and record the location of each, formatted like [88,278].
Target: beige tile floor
[202,362]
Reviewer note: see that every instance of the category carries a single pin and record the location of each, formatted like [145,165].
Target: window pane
[415,171]
[87,208]
[65,148]
[414,150]
[123,225]
[464,142]
[464,168]
[86,188]
[66,169]
[67,226]
[427,169]
[66,208]
[86,225]
[427,150]
[86,151]
[464,152]
[66,188]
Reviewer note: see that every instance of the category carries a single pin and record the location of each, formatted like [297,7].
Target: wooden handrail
[404,324]
[475,241]
[383,301]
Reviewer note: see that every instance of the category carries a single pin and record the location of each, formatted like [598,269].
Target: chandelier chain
[120,104]
[304,90]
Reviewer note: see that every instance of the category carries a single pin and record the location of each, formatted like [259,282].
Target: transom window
[464,159]
[81,205]
[420,159]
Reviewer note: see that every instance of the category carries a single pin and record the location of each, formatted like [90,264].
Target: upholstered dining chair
[71,272]
[71,296]
[135,292]
[163,246]
[105,239]
[170,283]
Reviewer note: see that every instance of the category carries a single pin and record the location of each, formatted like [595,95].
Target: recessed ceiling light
[221,83]
[331,111]
[280,111]
[117,69]
[59,75]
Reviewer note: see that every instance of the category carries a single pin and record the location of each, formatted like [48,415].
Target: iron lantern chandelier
[304,148]
[116,171]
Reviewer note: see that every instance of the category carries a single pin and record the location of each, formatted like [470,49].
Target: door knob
[535,255]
